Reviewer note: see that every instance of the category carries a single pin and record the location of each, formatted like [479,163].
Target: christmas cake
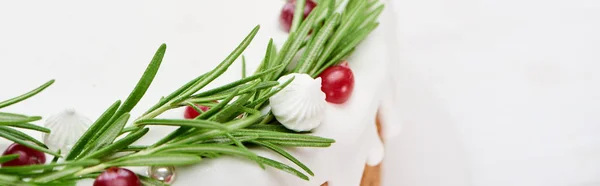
[290,102]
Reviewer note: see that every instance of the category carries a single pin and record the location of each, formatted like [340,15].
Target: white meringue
[66,128]
[300,106]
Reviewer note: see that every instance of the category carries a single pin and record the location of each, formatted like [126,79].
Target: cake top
[96,69]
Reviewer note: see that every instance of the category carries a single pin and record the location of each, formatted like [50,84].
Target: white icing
[66,128]
[300,105]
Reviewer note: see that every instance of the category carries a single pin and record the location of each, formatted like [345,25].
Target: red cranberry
[117,177]
[191,113]
[287,13]
[27,156]
[337,83]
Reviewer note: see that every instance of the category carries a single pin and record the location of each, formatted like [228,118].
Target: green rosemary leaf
[285,154]
[29,168]
[146,181]
[245,89]
[214,110]
[251,119]
[259,86]
[21,135]
[54,160]
[349,47]
[339,34]
[56,175]
[210,155]
[106,136]
[266,97]
[272,55]
[295,40]
[338,3]
[205,115]
[281,55]
[281,136]
[143,84]
[24,175]
[17,137]
[161,159]
[283,167]
[176,92]
[223,139]
[202,124]
[355,38]
[298,15]
[118,145]
[312,53]
[330,7]
[61,183]
[363,12]
[298,144]
[196,108]
[197,136]
[133,148]
[220,69]
[270,127]
[351,5]
[15,183]
[232,110]
[128,129]
[268,60]
[86,176]
[112,131]
[337,58]
[243,148]
[8,178]
[372,4]
[10,118]
[209,148]
[264,64]
[92,131]
[30,127]
[231,125]
[243,66]
[26,95]
[12,180]
[237,83]
[7,158]
[210,112]
[267,118]
[373,15]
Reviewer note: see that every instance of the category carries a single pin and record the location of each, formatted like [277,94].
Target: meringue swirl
[300,106]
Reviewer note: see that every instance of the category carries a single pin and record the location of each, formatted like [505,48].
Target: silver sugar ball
[165,174]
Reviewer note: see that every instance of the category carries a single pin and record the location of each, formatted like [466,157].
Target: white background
[490,92]
[497,93]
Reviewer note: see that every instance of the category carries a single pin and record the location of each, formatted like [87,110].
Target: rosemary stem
[148,151]
[156,112]
[89,170]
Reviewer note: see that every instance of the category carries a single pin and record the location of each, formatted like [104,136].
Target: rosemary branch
[328,35]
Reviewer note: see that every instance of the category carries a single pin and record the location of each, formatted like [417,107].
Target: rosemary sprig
[8,121]
[228,128]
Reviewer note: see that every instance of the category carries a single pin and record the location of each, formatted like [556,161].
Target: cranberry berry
[337,83]
[191,113]
[117,177]
[287,13]
[27,156]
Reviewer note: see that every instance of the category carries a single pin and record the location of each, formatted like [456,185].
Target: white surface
[497,93]
[97,51]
